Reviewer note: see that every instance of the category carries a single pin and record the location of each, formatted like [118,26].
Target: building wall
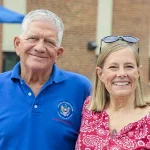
[14,29]
[104,20]
[9,31]
[131,17]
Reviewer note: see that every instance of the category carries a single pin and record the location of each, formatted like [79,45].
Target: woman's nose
[121,72]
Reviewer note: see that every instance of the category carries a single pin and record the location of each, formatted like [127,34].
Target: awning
[10,16]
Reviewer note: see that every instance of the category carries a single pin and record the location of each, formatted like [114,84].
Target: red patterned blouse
[95,135]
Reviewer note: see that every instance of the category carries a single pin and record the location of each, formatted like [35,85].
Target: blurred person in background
[116,116]
[40,104]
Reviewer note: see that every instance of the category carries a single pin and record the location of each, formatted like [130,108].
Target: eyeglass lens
[130,39]
[110,39]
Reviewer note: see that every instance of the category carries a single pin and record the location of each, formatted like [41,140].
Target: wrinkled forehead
[41,28]
[47,23]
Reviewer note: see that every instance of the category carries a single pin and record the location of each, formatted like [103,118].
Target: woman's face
[120,73]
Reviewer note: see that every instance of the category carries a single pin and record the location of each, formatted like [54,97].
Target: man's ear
[99,73]
[16,45]
[60,52]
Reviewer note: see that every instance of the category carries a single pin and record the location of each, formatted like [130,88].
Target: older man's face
[38,48]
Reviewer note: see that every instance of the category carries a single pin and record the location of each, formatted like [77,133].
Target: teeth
[121,83]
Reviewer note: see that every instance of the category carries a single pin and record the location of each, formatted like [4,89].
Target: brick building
[83,19]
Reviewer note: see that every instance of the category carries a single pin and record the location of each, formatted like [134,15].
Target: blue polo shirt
[49,121]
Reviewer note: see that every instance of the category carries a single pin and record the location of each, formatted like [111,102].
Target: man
[40,105]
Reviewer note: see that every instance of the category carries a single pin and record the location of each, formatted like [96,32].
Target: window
[9,60]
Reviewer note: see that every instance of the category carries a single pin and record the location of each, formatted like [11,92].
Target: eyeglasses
[111,39]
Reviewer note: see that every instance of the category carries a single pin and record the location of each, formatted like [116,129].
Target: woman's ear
[139,70]
[99,73]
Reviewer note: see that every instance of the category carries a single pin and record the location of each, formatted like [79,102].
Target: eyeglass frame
[119,37]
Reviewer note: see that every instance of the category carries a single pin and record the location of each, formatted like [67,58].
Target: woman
[116,117]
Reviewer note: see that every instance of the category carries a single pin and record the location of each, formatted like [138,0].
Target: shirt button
[21,82]
[29,94]
[35,106]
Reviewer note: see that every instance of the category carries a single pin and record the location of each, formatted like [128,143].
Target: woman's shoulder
[86,104]
[87,101]
[86,113]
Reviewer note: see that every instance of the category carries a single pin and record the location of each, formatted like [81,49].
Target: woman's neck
[116,104]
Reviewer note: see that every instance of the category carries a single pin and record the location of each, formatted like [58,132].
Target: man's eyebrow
[129,63]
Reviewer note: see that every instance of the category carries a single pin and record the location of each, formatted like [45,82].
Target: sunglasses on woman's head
[111,39]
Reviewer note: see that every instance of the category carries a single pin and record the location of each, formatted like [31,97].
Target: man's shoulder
[5,78]
[6,74]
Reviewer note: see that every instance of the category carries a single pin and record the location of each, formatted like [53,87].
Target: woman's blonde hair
[100,96]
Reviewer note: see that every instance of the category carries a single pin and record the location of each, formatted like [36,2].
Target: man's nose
[40,46]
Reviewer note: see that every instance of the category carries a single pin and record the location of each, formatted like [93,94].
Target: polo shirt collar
[16,72]
[57,75]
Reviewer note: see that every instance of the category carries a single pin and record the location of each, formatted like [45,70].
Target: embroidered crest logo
[65,110]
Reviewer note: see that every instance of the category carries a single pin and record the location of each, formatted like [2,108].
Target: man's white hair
[43,15]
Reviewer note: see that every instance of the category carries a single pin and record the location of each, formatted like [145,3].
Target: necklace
[114,130]
[114,133]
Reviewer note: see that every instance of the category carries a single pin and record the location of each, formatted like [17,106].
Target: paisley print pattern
[94,133]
